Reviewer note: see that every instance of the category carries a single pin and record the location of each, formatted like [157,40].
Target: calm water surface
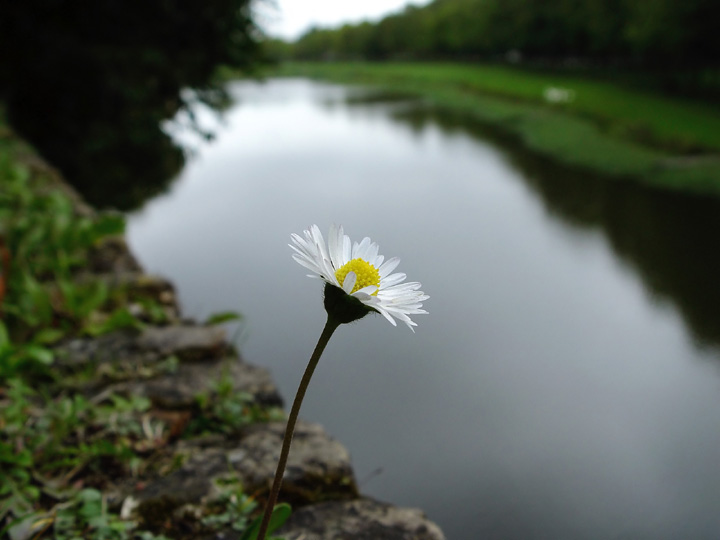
[566,383]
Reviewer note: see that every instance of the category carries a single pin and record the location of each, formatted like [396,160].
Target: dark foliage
[88,82]
[675,43]
[661,32]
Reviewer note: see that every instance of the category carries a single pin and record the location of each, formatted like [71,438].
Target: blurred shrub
[89,82]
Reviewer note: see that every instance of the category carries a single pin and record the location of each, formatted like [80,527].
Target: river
[566,381]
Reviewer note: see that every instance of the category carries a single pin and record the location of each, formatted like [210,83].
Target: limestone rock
[158,288]
[318,467]
[180,388]
[114,346]
[187,342]
[361,519]
[112,255]
[189,484]
[132,363]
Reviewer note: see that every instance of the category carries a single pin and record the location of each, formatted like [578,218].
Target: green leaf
[48,336]
[120,318]
[109,224]
[280,515]
[24,459]
[222,317]
[251,533]
[4,337]
[39,354]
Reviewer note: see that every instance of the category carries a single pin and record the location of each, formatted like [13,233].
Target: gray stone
[318,467]
[115,346]
[129,363]
[187,342]
[190,483]
[255,381]
[180,389]
[157,288]
[112,255]
[361,519]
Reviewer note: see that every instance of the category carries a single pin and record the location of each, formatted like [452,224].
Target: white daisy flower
[360,272]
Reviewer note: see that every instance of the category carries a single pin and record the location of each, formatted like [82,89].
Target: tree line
[657,34]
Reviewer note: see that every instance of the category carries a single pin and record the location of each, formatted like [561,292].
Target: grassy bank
[75,435]
[602,127]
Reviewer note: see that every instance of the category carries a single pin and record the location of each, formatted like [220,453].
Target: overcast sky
[290,18]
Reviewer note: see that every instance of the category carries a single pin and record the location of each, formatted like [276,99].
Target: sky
[289,19]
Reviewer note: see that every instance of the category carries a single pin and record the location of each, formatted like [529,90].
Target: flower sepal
[342,307]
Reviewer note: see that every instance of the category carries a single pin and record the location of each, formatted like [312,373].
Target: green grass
[61,452]
[606,128]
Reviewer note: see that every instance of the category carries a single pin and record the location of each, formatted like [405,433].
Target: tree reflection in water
[667,237]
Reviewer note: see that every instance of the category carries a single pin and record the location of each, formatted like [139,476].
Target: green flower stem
[330,327]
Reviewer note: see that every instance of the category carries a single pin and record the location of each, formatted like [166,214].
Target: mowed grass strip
[607,128]
[673,120]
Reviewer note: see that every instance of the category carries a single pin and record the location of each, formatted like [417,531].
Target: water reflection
[545,396]
[668,238]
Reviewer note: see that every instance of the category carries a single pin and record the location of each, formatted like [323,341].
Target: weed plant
[44,244]
[225,410]
[61,450]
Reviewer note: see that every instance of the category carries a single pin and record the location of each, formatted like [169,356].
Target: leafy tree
[89,82]
[657,34]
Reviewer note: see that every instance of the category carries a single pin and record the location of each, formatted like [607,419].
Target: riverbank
[119,417]
[592,125]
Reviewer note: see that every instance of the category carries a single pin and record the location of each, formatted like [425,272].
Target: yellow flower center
[366,274]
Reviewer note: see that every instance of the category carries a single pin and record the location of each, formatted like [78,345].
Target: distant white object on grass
[514,56]
[554,94]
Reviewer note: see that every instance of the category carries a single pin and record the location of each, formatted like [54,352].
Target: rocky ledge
[171,364]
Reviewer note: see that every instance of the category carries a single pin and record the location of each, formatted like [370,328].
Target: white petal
[388,267]
[398,287]
[371,253]
[307,264]
[335,242]
[386,315]
[367,290]
[328,269]
[320,243]
[360,250]
[364,297]
[346,250]
[349,282]
[392,280]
